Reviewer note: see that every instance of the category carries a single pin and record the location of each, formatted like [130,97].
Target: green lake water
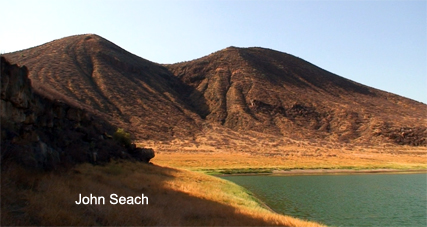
[345,200]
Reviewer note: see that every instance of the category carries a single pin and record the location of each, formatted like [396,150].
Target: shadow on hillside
[29,198]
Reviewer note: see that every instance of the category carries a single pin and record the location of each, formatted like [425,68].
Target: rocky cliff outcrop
[43,133]
[416,136]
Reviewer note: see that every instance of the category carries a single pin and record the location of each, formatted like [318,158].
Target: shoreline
[294,172]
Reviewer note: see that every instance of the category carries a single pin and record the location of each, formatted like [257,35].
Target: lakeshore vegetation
[176,197]
[267,158]
[178,186]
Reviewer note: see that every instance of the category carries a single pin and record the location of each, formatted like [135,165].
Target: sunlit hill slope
[242,89]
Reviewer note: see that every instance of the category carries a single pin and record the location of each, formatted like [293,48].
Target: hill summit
[236,90]
[126,90]
[269,91]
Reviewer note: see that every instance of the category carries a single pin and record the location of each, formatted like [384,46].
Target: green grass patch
[238,171]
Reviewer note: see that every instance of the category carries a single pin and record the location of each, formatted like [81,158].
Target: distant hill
[242,89]
[127,90]
[269,91]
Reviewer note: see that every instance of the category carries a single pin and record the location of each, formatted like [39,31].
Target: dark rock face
[142,154]
[406,136]
[42,133]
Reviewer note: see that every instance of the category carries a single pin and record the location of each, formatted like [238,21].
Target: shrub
[122,137]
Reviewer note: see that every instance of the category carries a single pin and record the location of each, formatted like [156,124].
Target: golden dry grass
[269,155]
[214,161]
[176,197]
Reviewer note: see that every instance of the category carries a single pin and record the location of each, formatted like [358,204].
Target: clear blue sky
[382,44]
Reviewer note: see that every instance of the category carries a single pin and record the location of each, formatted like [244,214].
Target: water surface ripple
[345,200]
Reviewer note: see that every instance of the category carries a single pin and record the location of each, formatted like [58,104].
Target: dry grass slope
[216,154]
[176,197]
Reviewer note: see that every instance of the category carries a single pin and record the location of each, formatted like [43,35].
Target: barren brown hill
[129,91]
[277,93]
[244,90]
